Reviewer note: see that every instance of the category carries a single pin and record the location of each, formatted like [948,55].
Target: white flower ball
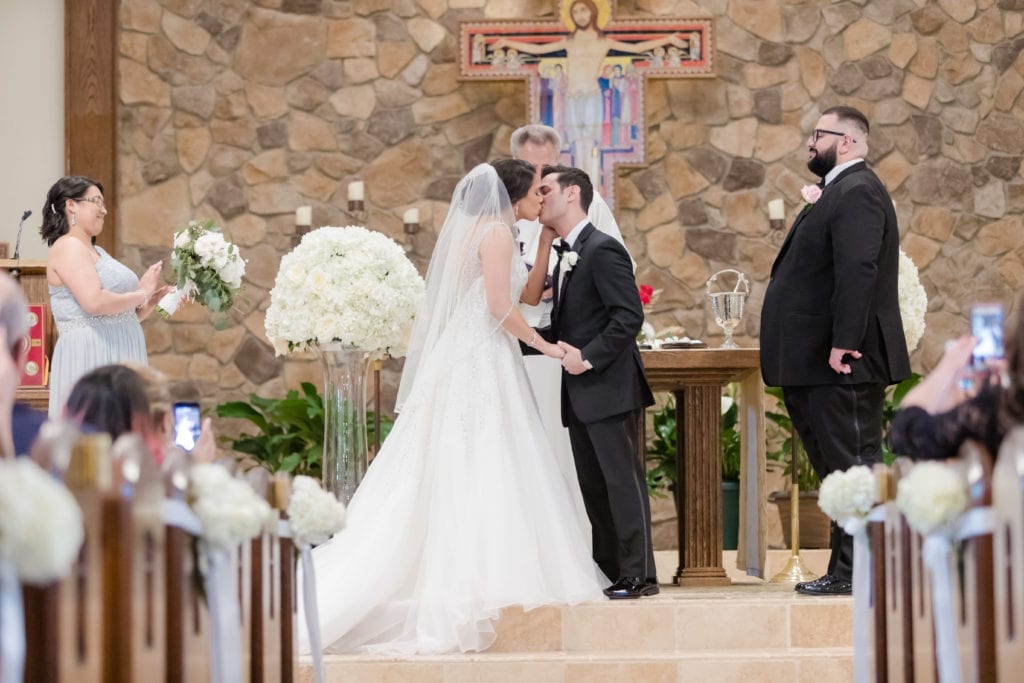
[932,497]
[315,515]
[228,508]
[41,528]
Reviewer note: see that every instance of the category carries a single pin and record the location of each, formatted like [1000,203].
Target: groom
[595,319]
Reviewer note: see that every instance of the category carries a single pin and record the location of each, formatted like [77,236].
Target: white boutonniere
[569,261]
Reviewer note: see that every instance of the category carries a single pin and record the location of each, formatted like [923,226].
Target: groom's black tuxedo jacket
[599,312]
[835,284]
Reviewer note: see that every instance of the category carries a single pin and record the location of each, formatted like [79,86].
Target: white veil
[479,203]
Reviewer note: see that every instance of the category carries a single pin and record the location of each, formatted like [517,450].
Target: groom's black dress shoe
[826,585]
[820,581]
[631,588]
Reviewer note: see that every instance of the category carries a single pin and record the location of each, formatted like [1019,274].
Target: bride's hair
[516,175]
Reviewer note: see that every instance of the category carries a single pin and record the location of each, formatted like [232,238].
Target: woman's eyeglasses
[98,201]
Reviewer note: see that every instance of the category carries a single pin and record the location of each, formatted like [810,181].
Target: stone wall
[241,111]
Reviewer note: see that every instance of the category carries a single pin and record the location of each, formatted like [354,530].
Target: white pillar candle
[776,210]
[355,191]
[304,216]
[411,216]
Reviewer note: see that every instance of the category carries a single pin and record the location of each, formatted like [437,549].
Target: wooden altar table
[696,377]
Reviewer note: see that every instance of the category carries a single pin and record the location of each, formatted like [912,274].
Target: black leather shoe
[819,582]
[631,588]
[835,587]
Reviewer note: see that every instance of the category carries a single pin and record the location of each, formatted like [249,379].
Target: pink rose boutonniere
[811,194]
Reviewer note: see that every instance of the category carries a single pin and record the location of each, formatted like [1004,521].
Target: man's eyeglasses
[818,132]
[98,201]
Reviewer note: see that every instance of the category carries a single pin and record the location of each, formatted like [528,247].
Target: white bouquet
[931,497]
[228,509]
[349,285]
[206,266]
[847,495]
[913,302]
[41,528]
[314,514]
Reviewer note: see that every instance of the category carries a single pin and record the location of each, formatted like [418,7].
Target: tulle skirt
[464,511]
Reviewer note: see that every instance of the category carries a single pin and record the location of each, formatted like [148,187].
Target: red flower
[646,292]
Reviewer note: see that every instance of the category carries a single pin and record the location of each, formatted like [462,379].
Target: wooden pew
[268,554]
[1008,551]
[135,566]
[899,605]
[876,536]
[64,623]
[188,655]
[976,609]
[923,618]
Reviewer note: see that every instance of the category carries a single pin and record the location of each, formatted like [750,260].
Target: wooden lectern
[32,275]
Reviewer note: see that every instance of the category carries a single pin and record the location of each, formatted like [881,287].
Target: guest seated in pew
[112,399]
[161,415]
[19,423]
[957,402]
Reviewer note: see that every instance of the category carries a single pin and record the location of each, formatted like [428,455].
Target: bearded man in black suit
[595,318]
[831,333]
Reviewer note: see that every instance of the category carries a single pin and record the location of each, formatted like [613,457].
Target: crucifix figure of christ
[585,75]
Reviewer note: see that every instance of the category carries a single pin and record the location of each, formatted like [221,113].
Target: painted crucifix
[585,75]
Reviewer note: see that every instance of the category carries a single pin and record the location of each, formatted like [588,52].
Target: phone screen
[987,329]
[186,425]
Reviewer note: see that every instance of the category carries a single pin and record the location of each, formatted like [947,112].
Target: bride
[465,509]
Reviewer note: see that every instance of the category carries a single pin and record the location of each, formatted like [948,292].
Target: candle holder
[776,223]
[355,205]
[411,228]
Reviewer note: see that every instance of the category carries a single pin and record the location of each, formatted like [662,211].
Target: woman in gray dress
[97,302]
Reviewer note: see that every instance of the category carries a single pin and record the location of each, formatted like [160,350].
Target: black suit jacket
[834,284]
[599,312]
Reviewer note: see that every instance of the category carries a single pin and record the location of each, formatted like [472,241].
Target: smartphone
[187,421]
[987,329]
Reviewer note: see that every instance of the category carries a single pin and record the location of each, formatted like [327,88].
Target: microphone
[16,272]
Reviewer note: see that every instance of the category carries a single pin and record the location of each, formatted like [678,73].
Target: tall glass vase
[345,444]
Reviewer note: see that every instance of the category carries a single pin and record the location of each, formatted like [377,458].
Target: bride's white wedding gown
[464,510]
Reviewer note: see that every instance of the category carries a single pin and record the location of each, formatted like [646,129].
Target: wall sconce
[356,192]
[776,214]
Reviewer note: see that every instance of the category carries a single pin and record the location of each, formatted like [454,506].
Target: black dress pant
[614,487]
[840,426]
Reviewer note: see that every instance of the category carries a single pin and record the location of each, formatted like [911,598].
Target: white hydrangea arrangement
[349,285]
[913,302]
[932,497]
[41,528]
[228,509]
[847,495]
[314,514]
[207,267]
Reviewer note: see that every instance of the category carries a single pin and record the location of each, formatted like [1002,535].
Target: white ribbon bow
[221,584]
[12,626]
[936,553]
[858,528]
[309,604]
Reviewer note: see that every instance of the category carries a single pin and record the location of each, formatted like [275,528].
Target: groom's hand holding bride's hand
[572,361]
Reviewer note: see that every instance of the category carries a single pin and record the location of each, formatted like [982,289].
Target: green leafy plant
[661,451]
[893,397]
[291,430]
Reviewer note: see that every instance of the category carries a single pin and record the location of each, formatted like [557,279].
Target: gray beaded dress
[86,342]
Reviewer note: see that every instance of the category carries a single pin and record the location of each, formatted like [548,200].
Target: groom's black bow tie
[561,247]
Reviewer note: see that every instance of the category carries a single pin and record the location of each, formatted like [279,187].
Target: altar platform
[748,631]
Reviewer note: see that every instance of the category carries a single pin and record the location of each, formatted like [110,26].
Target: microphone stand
[16,272]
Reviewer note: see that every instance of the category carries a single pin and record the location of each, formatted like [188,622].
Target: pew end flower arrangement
[207,269]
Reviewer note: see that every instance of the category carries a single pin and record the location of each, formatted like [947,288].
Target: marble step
[813,666]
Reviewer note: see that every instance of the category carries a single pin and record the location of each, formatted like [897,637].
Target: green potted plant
[290,430]
[661,463]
